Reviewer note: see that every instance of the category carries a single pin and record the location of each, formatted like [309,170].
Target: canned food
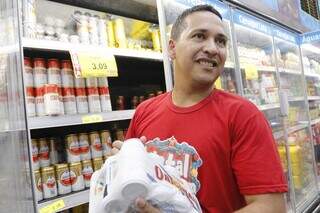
[77,181]
[54,72]
[159,92]
[38,182]
[151,95]
[106,142]
[72,146]
[35,154]
[67,73]
[51,99]
[95,145]
[141,99]
[82,100]
[120,34]
[120,135]
[63,178]
[61,100]
[91,82]
[102,30]
[105,99]
[87,172]
[93,99]
[31,102]
[120,103]
[29,18]
[44,153]
[103,82]
[110,30]
[39,72]
[39,99]
[134,102]
[69,101]
[97,163]
[79,83]
[28,72]
[155,36]
[53,150]
[49,182]
[85,153]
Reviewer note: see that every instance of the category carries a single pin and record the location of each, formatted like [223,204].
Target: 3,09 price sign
[93,64]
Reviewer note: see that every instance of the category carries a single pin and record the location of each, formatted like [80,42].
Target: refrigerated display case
[310,51]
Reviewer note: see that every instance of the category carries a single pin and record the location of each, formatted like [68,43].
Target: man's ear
[172,49]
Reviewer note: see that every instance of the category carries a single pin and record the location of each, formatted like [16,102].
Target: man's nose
[210,47]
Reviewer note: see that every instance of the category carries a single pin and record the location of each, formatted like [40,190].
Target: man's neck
[189,97]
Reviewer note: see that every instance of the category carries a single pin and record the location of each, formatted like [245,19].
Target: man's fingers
[143,139]
[145,207]
[117,144]
[114,151]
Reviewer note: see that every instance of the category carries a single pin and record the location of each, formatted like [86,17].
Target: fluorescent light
[311,48]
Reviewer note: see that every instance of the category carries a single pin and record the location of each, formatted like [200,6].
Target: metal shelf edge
[268,106]
[71,200]
[297,128]
[69,120]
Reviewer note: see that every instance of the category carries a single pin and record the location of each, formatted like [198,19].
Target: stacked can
[104,94]
[87,171]
[63,178]
[38,182]
[44,153]
[77,181]
[82,27]
[106,142]
[72,147]
[120,34]
[52,104]
[97,163]
[93,95]
[35,154]
[28,77]
[102,31]
[49,182]
[39,79]
[54,77]
[69,98]
[93,29]
[95,145]
[81,96]
[84,145]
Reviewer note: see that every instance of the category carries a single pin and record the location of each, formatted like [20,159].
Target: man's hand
[144,207]
[116,145]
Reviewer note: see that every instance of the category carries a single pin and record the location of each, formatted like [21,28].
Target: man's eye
[199,36]
[221,42]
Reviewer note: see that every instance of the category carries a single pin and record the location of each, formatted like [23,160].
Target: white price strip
[93,64]
[53,207]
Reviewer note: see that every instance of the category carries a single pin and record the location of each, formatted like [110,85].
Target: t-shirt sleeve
[255,159]
[131,133]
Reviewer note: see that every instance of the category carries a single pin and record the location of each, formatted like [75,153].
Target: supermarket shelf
[296,99]
[315,121]
[297,128]
[66,46]
[268,106]
[313,98]
[314,75]
[263,68]
[69,120]
[70,201]
[290,71]
[310,199]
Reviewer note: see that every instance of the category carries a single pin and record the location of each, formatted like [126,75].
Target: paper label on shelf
[251,72]
[93,64]
[91,119]
[53,207]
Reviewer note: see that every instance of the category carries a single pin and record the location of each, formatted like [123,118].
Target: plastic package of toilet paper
[151,171]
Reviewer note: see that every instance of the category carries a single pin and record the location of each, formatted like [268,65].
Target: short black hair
[179,25]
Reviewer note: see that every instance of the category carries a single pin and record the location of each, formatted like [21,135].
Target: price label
[91,119]
[251,72]
[53,207]
[93,64]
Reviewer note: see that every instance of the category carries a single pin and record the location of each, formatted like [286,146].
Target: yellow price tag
[91,119]
[217,83]
[93,64]
[53,207]
[251,72]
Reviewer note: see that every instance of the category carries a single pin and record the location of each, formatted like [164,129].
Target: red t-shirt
[231,136]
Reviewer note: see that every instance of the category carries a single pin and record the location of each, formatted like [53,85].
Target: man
[241,169]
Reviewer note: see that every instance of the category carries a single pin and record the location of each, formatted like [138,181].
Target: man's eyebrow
[220,35]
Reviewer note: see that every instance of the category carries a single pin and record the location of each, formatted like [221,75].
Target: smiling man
[241,168]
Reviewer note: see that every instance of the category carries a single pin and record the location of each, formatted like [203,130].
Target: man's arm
[264,203]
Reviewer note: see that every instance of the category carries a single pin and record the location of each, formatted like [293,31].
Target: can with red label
[106,142]
[91,82]
[134,102]
[63,178]
[61,101]
[94,99]
[44,158]
[72,147]
[69,101]
[67,74]
[51,99]
[120,135]
[120,103]
[54,72]
[97,163]
[31,103]
[85,153]
[95,144]
[39,72]
[40,110]
[82,100]
[79,83]
[103,82]
[38,182]
[49,182]
[28,77]
[77,181]
[35,154]
[105,99]
[87,171]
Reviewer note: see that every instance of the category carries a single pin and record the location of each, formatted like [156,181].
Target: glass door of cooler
[311,65]
[259,79]
[298,138]
[168,11]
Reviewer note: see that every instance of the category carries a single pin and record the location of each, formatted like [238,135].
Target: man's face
[200,51]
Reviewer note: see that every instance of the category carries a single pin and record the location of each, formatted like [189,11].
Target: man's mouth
[208,62]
